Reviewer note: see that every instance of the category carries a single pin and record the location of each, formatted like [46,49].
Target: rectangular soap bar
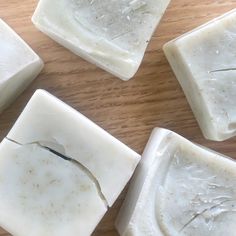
[204,62]
[19,65]
[180,188]
[111,34]
[50,132]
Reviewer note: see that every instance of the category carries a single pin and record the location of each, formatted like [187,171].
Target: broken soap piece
[59,172]
[111,34]
[205,65]
[51,123]
[19,65]
[180,188]
[43,194]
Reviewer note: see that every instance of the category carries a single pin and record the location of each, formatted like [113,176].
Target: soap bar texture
[204,62]
[113,34]
[180,188]
[19,65]
[42,194]
[76,168]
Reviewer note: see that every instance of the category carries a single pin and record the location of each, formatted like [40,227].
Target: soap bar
[52,123]
[111,34]
[19,65]
[180,188]
[42,194]
[49,129]
[204,62]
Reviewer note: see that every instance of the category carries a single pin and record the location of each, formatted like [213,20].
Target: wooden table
[128,110]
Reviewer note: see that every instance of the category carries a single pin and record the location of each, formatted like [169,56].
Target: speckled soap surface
[180,189]
[113,34]
[42,194]
[204,63]
[60,172]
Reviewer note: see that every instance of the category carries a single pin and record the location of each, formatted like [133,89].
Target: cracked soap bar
[204,62]
[42,194]
[48,129]
[111,34]
[19,65]
[180,188]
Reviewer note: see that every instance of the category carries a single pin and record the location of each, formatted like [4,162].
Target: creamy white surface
[52,123]
[112,34]
[184,189]
[204,62]
[19,65]
[43,194]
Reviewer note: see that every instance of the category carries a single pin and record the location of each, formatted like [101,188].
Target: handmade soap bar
[43,195]
[205,65]
[111,34]
[19,65]
[180,189]
[54,134]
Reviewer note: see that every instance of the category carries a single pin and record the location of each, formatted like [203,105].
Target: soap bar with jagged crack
[49,124]
[43,195]
[52,123]
[180,188]
[113,34]
[19,65]
[204,62]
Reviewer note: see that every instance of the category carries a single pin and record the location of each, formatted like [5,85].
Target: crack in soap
[46,191]
[223,70]
[107,159]
[75,162]
[60,160]
[86,170]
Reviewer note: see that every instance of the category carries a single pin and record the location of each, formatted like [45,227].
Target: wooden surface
[128,110]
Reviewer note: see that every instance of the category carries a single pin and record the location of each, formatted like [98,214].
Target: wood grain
[128,110]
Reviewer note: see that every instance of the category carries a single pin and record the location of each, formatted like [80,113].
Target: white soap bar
[52,123]
[54,134]
[180,188]
[43,195]
[205,65]
[111,34]
[19,65]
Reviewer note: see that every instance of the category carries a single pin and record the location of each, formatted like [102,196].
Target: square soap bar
[111,34]
[205,65]
[180,188]
[19,65]
[51,123]
[59,172]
